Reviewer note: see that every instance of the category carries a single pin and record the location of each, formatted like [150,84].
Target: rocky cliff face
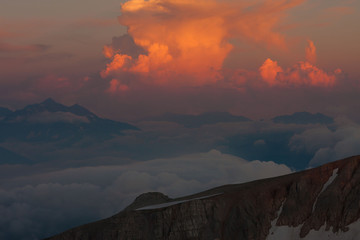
[323,200]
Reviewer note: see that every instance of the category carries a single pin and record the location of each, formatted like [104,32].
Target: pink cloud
[186,42]
[300,74]
[303,73]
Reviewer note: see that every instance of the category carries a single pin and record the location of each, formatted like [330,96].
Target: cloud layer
[30,205]
[328,145]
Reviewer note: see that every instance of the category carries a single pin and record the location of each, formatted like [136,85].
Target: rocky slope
[323,202]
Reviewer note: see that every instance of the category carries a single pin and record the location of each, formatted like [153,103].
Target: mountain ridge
[51,106]
[52,122]
[326,196]
[196,121]
[303,118]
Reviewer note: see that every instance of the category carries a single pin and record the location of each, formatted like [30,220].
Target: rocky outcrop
[147,199]
[325,196]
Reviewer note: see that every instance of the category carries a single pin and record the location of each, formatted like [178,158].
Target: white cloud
[328,145]
[313,139]
[46,202]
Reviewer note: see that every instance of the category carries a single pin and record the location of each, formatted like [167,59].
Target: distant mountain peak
[50,120]
[195,121]
[303,118]
[49,101]
[50,105]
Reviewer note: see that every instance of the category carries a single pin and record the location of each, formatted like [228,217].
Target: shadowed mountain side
[326,196]
[52,121]
[195,121]
[303,118]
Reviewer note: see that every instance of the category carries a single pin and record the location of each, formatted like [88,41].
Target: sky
[144,58]
[136,60]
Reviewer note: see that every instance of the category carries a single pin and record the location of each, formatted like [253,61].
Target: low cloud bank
[45,203]
[327,144]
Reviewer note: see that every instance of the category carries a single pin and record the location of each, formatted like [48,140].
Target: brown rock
[240,211]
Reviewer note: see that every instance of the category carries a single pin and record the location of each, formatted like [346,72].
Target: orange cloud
[108,51]
[119,63]
[269,71]
[311,52]
[186,41]
[301,74]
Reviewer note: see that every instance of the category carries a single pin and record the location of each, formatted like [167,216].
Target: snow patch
[168,204]
[285,233]
[331,179]
[293,233]
[275,231]
[326,185]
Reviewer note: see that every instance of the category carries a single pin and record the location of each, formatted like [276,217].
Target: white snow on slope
[326,185]
[293,233]
[284,232]
[168,204]
[331,179]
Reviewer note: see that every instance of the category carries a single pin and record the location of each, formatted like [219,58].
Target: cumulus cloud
[123,45]
[186,42]
[312,139]
[30,205]
[269,71]
[300,74]
[328,145]
[303,73]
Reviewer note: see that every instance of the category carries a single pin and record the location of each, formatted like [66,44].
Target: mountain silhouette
[52,121]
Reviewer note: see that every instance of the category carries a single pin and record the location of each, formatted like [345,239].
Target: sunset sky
[137,62]
[129,59]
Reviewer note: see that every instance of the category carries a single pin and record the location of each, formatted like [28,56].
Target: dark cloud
[125,45]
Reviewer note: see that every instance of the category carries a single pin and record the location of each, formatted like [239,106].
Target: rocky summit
[319,203]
